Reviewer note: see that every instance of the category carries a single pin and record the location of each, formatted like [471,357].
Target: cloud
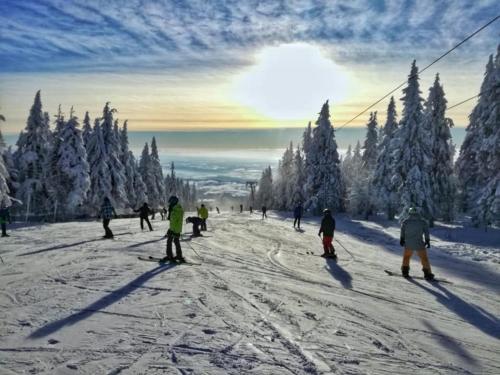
[198,35]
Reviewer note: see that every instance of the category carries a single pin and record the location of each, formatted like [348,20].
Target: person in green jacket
[203,213]
[414,231]
[175,216]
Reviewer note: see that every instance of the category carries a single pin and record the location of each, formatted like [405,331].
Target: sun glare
[290,82]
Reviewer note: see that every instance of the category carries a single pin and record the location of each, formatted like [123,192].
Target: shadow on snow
[339,273]
[100,304]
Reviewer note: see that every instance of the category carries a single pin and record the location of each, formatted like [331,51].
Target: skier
[164,213]
[203,214]
[241,208]
[218,211]
[107,213]
[297,213]
[251,210]
[412,231]
[232,208]
[4,217]
[196,221]
[144,211]
[264,212]
[153,213]
[175,215]
[327,228]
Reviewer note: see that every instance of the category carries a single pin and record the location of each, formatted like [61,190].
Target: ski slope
[72,303]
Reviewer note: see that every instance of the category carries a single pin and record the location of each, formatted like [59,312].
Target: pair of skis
[162,261]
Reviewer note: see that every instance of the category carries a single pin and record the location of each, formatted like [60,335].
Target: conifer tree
[148,176]
[384,190]
[299,179]
[101,185]
[159,199]
[467,165]
[4,175]
[86,129]
[412,162]
[325,184]
[73,166]
[264,195]
[283,184]
[116,169]
[442,150]
[371,141]
[487,209]
[31,159]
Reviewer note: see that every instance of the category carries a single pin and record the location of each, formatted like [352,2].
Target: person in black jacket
[196,221]
[144,212]
[4,218]
[327,229]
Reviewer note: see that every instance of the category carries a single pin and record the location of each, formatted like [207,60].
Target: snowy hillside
[72,303]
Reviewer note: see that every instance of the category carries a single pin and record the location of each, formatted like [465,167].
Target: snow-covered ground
[72,303]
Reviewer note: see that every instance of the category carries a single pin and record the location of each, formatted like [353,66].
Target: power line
[423,70]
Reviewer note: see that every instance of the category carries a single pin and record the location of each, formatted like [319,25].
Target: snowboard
[160,260]
[436,280]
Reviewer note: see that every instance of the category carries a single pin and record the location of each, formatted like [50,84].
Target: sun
[290,82]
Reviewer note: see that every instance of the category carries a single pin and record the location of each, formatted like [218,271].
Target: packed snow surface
[257,303]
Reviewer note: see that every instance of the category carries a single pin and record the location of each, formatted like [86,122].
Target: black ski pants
[175,238]
[203,224]
[145,219]
[105,224]
[297,221]
[4,229]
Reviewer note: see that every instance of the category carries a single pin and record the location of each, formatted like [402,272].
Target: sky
[184,65]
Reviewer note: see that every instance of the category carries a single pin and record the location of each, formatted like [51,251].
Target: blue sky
[49,40]
[68,35]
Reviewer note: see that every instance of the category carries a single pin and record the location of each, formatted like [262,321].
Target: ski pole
[1,260]
[343,247]
[198,255]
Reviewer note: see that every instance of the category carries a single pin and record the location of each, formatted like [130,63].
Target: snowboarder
[175,216]
[264,212]
[4,218]
[412,231]
[297,213]
[196,221]
[327,229]
[107,213]
[218,211]
[144,212]
[203,214]
[241,208]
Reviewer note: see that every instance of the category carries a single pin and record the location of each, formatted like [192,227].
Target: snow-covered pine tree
[325,185]
[371,141]
[412,151]
[170,187]
[156,169]
[73,166]
[4,174]
[57,191]
[101,184]
[442,151]
[466,166]
[384,190]
[283,184]
[148,176]
[487,210]
[115,167]
[86,129]
[134,186]
[31,160]
[264,196]
[299,179]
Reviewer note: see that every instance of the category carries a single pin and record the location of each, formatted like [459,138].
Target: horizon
[210,66]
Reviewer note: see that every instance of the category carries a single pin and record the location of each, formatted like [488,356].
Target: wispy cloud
[92,35]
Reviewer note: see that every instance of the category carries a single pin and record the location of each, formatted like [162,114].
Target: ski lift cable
[423,70]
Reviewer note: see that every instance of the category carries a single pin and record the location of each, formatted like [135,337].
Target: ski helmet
[412,211]
[327,211]
[173,200]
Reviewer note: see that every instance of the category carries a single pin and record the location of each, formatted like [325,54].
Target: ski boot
[180,259]
[332,256]
[428,275]
[324,255]
[167,259]
[405,271]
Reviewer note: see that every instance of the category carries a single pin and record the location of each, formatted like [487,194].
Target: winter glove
[402,241]
[427,244]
